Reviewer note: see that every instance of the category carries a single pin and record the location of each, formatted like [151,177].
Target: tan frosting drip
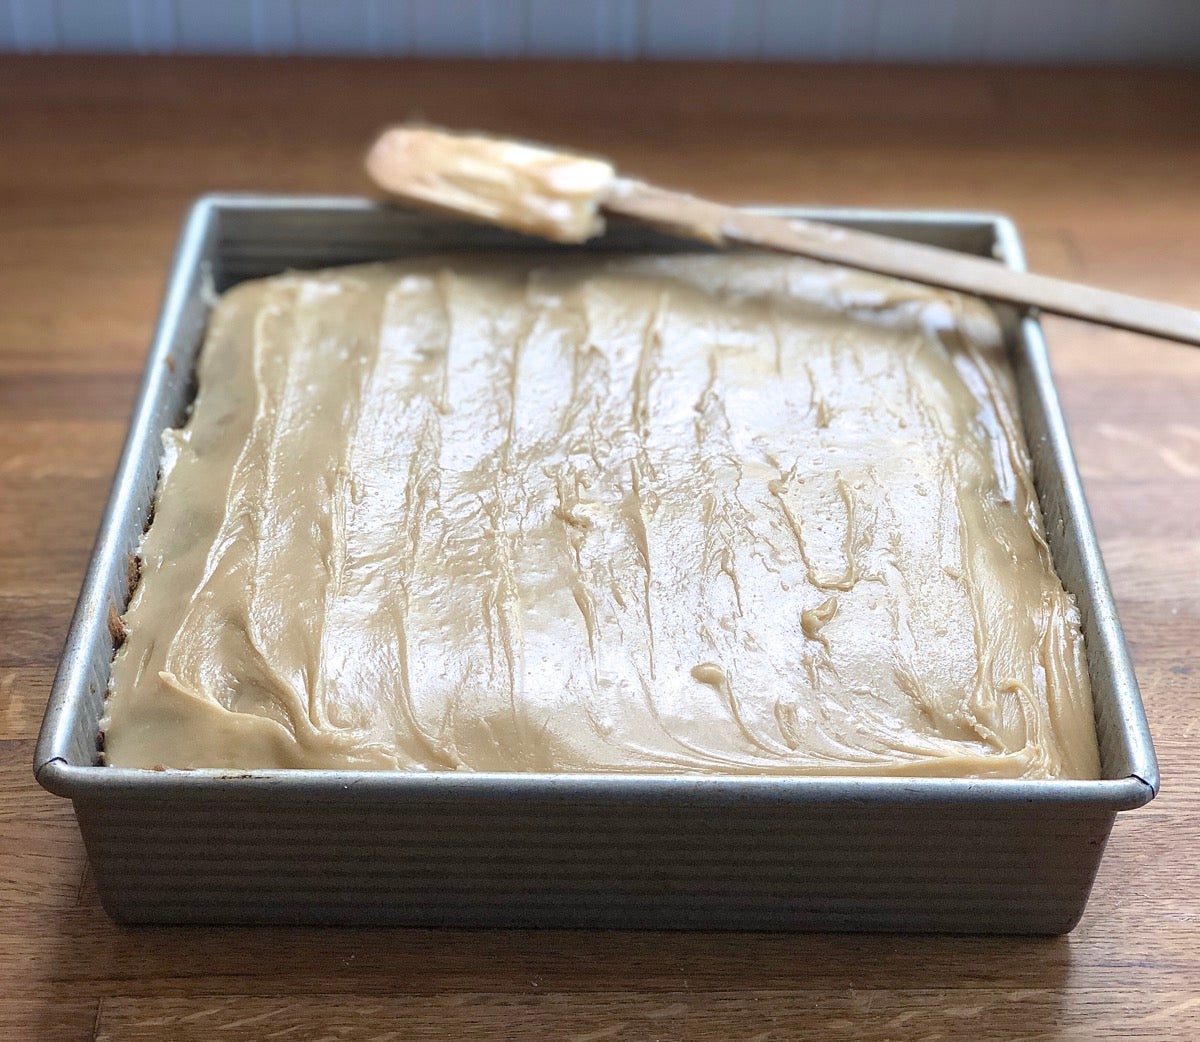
[690,514]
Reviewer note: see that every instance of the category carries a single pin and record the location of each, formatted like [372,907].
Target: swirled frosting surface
[688,514]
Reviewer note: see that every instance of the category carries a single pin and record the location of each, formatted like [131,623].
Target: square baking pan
[456,849]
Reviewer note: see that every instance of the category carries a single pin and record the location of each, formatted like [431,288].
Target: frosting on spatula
[539,191]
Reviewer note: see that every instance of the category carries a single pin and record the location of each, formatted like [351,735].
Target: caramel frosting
[702,514]
[539,191]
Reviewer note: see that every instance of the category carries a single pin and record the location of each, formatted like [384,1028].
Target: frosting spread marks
[690,514]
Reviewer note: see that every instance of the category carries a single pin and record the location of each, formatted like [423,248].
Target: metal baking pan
[802,853]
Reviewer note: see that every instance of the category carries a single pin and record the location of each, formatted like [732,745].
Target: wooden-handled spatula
[562,195]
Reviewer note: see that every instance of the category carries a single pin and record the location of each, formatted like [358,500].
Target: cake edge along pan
[613,851]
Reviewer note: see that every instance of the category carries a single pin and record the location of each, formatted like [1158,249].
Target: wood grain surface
[98,159]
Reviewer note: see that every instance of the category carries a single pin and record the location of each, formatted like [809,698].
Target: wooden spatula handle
[698,218]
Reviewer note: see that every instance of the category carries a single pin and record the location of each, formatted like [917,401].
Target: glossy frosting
[700,514]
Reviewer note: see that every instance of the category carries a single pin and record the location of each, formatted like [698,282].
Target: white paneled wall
[917,30]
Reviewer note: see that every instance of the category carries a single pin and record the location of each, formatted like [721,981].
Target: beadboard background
[1157,31]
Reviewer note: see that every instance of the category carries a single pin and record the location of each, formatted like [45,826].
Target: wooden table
[98,159]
